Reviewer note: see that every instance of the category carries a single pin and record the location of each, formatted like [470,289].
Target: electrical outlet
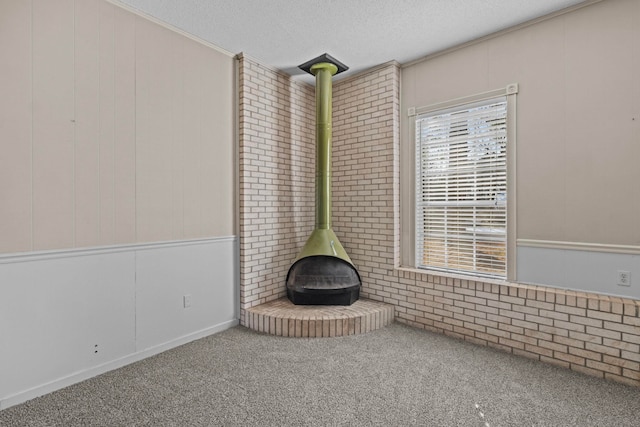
[624,278]
[186,301]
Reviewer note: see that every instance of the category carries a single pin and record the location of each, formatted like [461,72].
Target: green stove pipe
[323,72]
[323,241]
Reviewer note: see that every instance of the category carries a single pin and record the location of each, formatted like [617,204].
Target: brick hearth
[283,318]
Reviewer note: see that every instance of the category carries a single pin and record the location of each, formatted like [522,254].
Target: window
[461,188]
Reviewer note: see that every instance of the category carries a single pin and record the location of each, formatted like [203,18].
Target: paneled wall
[117,182]
[578,117]
[590,333]
[68,316]
[577,132]
[114,129]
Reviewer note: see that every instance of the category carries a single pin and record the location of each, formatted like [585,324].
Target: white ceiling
[359,33]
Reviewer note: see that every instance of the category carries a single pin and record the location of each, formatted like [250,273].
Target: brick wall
[277,160]
[365,200]
[594,334]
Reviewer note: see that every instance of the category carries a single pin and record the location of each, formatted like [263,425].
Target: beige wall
[578,117]
[113,129]
[588,333]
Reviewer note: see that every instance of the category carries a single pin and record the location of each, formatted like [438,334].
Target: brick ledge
[283,318]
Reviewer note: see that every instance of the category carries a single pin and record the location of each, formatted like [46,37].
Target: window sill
[458,276]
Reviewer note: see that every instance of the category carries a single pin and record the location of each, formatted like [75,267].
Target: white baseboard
[86,374]
[68,315]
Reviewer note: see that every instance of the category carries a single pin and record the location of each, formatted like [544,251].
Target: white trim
[510,89]
[170,27]
[571,267]
[509,93]
[68,253]
[502,32]
[245,57]
[79,376]
[360,74]
[580,246]
[236,186]
[512,199]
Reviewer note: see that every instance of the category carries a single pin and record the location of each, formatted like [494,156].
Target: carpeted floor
[396,376]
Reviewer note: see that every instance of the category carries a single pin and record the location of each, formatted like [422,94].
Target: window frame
[408,234]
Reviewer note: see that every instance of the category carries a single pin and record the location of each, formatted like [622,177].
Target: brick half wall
[594,334]
[590,333]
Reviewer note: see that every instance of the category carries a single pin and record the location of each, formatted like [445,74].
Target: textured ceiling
[359,33]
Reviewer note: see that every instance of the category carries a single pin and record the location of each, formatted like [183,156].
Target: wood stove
[323,273]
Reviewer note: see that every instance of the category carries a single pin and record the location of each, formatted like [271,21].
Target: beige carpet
[396,376]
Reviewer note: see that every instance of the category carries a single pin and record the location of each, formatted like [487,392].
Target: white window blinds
[461,189]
